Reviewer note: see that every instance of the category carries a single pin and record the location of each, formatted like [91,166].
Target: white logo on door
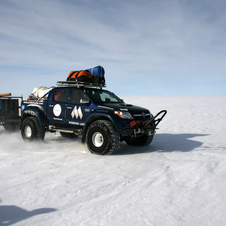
[77,113]
[57,110]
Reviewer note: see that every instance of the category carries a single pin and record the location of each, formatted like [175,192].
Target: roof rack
[79,84]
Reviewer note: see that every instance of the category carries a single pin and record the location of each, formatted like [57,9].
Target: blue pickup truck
[98,115]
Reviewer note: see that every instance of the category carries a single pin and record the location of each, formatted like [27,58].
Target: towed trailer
[10,116]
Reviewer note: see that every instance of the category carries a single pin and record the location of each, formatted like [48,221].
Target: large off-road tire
[32,130]
[102,138]
[68,135]
[140,141]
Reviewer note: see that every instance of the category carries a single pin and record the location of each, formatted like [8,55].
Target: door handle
[69,107]
[51,105]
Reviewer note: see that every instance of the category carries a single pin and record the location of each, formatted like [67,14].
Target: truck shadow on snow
[165,143]
[12,214]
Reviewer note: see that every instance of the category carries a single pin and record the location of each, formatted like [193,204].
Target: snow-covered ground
[180,179]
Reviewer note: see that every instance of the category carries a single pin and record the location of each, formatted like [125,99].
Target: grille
[141,116]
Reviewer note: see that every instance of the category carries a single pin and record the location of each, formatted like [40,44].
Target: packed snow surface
[179,179]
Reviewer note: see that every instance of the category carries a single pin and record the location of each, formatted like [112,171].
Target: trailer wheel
[12,127]
[102,138]
[139,141]
[32,130]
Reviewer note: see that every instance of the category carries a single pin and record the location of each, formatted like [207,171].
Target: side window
[76,96]
[60,95]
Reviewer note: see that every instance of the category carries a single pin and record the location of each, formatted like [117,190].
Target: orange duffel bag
[82,76]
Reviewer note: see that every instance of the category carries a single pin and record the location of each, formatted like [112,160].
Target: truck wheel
[32,130]
[140,141]
[102,138]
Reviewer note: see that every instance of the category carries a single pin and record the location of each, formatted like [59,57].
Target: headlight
[124,115]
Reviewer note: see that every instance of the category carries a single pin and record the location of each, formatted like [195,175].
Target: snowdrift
[178,180]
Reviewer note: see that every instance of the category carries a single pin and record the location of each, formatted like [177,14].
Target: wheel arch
[35,112]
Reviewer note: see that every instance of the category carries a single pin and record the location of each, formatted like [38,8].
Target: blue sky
[147,47]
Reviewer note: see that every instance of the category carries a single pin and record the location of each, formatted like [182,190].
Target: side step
[65,130]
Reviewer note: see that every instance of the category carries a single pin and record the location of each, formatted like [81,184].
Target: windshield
[103,96]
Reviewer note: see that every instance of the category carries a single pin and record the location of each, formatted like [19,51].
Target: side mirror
[85,101]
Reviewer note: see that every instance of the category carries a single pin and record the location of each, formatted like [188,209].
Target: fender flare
[36,111]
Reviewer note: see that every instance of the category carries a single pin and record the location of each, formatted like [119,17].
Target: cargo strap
[69,78]
[77,75]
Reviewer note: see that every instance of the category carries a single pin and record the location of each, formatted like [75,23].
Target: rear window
[60,95]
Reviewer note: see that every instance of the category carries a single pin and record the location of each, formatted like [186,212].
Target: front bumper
[142,127]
